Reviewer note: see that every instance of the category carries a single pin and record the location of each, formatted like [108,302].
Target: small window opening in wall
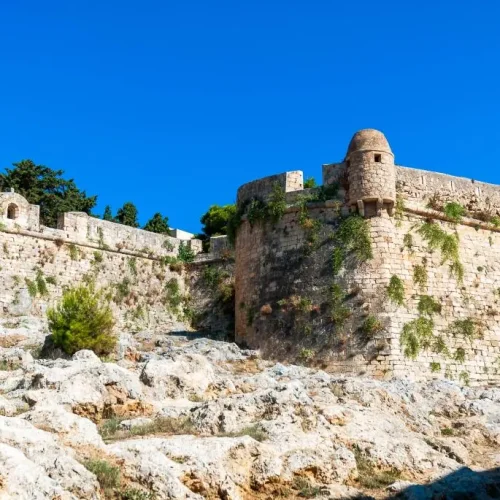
[378,158]
[12,211]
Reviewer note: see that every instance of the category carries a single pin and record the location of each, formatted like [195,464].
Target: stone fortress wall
[283,286]
[129,264]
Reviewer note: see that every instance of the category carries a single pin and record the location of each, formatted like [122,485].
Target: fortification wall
[283,276]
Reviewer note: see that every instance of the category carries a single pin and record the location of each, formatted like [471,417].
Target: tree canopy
[157,224]
[41,185]
[127,215]
[108,215]
[216,218]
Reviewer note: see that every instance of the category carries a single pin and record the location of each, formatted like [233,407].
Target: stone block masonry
[295,300]
[37,263]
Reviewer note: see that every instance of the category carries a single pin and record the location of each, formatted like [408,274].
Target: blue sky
[173,105]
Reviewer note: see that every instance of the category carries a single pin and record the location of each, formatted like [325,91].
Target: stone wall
[283,286]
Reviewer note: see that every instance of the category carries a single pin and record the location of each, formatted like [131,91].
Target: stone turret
[371,173]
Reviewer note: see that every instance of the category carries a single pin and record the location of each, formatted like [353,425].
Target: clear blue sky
[173,105]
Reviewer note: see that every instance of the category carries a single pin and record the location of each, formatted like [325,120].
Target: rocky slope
[178,419]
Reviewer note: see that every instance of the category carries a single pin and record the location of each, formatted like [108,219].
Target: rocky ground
[176,419]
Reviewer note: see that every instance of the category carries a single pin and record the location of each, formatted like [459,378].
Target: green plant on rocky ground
[254,431]
[370,476]
[98,258]
[371,326]
[107,475]
[464,377]
[417,335]
[408,242]
[136,494]
[110,429]
[8,366]
[305,488]
[306,354]
[439,346]
[447,431]
[122,290]
[276,204]
[82,320]
[337,260]
[132,264]
[459,355]
[396,290]
[41,284]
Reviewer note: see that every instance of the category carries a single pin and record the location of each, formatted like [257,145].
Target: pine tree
[108,214]
[127,215]
[157,224]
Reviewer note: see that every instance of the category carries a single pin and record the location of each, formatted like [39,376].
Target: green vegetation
[337,260]
[435,367]
[396,290]
[459,355]
[82,320]
[420,276]
[107,475]
[438,239]
[464,377]
[399,209]
[41,284]
[173,294]
[185,253]
[74,252]
[41,185]
[98,258]
[371,326]
[108,215]
[122,290]
[417,335]
[127,215]
[468,328]
[354,236]
[306,354]
[439,346]
[215,221]
[132,265]
[338,311]
[408,242]
[110,429]
[157,224]
[447,431]
[370,476]
[254,431]
[32,287]
[310,182]
[304,487]
[427,305]
[276,204]
[454,211]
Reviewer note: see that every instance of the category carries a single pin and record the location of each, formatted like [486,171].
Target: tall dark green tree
[127,215]
[216,218]
[157,224]
[41,185]
[108,215]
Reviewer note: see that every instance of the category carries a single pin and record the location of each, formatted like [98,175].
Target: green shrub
[73,251]
[435,367]
[82,320]
[306,354]
[370,476]
[32,287]
[51,280]
[254,431]
[108,475]
[468,328]
[337,260]
[372,325]
[338,311]
[354,235]
[495,220]
[310,182]
[464,377]
[399,209]
[185,253]
[439,346]
[420,276]
[136,494]
[276,205]
[460,355]
[132,264]
[41,284]
[447,431]
[98,257]
[438,239]
[428,305]
[396,290]
[408,241]
[173,294]
[454,211]
[122,290]
[416,335]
